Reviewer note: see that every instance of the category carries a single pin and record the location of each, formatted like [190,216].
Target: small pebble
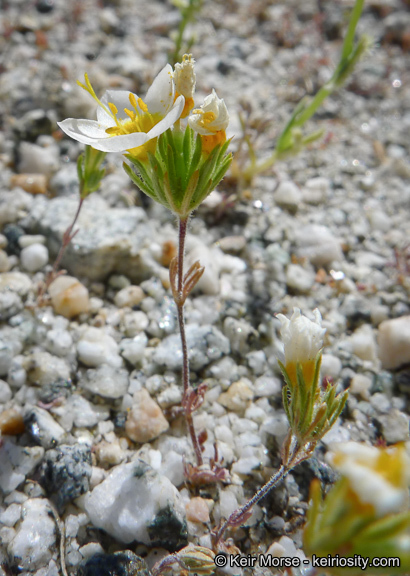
[29,239]
[288,196]
[11,422]
[107,381]
[360,386]
[134,322]
[232,244]
[68,296]
[197,510]
[35,541]
[96,348]
[42,368]
[145,420]
[363,343]
[316,190]
[318,245]
[331,366]
[129,296]
[4,262]
[394,342]
[31,183]
[133,349]
[34,257]
[299,278]
[395,426]
[5,392]
[238,396]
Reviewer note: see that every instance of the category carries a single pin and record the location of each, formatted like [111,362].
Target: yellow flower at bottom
[379,477]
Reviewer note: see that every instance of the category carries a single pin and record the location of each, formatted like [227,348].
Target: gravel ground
[87,384]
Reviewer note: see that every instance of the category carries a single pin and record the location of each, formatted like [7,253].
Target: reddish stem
[183,223]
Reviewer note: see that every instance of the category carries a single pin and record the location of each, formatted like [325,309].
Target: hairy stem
[240,515]
[241,512]
[180,302]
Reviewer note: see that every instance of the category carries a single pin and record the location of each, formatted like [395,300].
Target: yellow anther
[130,114]
[88,88]
[142,105]
[133,100]
[209,117]
[113,108]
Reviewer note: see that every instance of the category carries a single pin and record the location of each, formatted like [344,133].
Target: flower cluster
[176,168]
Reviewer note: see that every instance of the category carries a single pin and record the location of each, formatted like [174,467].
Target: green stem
[351,30]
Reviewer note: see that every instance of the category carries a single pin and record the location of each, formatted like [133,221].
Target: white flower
[124,121]
[211,117]
[378,476]
[302,338]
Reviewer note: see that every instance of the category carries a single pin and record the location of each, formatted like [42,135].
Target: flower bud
[198,559]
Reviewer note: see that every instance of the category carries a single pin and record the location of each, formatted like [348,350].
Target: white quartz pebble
[34,257]
[96,348]
[394,342]
[129,296]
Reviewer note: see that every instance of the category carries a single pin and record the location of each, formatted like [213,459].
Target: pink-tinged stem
[180,301]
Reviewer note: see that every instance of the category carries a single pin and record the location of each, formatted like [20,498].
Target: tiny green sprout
[365,514]
[292,140]
[189,10]
[89,170]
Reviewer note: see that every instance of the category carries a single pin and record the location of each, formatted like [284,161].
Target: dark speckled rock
[65,473]
[119,564]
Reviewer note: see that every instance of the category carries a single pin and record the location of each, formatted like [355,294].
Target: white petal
[90,132]
[122,143]
[169,119]
[82,130]
[194,122]
[161,93]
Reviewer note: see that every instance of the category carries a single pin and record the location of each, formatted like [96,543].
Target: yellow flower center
[139,119]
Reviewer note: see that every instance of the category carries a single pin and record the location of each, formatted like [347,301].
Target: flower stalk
[90,175]
[177,167]
[180,291]
[311,411]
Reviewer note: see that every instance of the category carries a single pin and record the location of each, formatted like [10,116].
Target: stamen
[142,105]
[133,100]
[131,115]
[88,88]
[209,117]
[113,108]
